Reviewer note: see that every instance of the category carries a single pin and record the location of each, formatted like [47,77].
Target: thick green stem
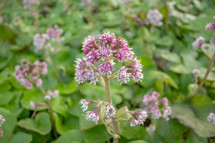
[206,74]
[107,89]
[109,100]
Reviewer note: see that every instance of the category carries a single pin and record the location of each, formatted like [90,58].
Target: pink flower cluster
[51,94]
[102,53]
[41,41]
[54,33]
[154,17]
[158,108]
[141,116]
[28,73]
[210,27]
[199,42]
[29,3]
[211,118]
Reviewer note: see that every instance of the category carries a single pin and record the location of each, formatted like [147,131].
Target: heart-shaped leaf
[186,116]
[41,124]
[70,137]
[21,137]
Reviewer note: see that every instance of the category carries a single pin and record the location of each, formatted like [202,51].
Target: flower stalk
[206,74]
[109,100]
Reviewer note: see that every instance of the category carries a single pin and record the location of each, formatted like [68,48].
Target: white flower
[133,122]
[123,75]
[167,112]
[93,115]
[154,17]
[2,120]
[32,104]
[85,104]
[141,116]
[211,118]
[110,111]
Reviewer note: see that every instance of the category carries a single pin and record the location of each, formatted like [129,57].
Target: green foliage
[41,124]
[166,53]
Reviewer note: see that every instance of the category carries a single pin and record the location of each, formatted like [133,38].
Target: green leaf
[85,124]
[64,124]
[171,128]
[41,124]
[169,56]
[68,88]
[8,126]
[186,116]
[200,100]
[89,91]
[97,134]
[193,138]
[70,137]
[128,132]
[5,98]
[165,41]
[21,137]
[32,95]
[180,69]
[59,106]
[6,33]
[164,77]
[121,113]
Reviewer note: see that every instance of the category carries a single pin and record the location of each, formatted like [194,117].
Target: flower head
[100,54]
[141,116]
[210,27]
[54,33]
[2,120]
[206,46]
[40,41]
[167,112]
[196,72]
[107,38]
[110,111]
[28,73]
[123,76]
[212,41]
[93,115]
[135,69]
[89,44]
[211,118]
[32,104]
[157,107]
[85,71]
[105,68]
[85,104]
[198,42]
[164,101]
[51,94]
[154,17]
[133,122]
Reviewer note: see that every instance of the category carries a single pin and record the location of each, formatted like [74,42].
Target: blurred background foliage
[166,53]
